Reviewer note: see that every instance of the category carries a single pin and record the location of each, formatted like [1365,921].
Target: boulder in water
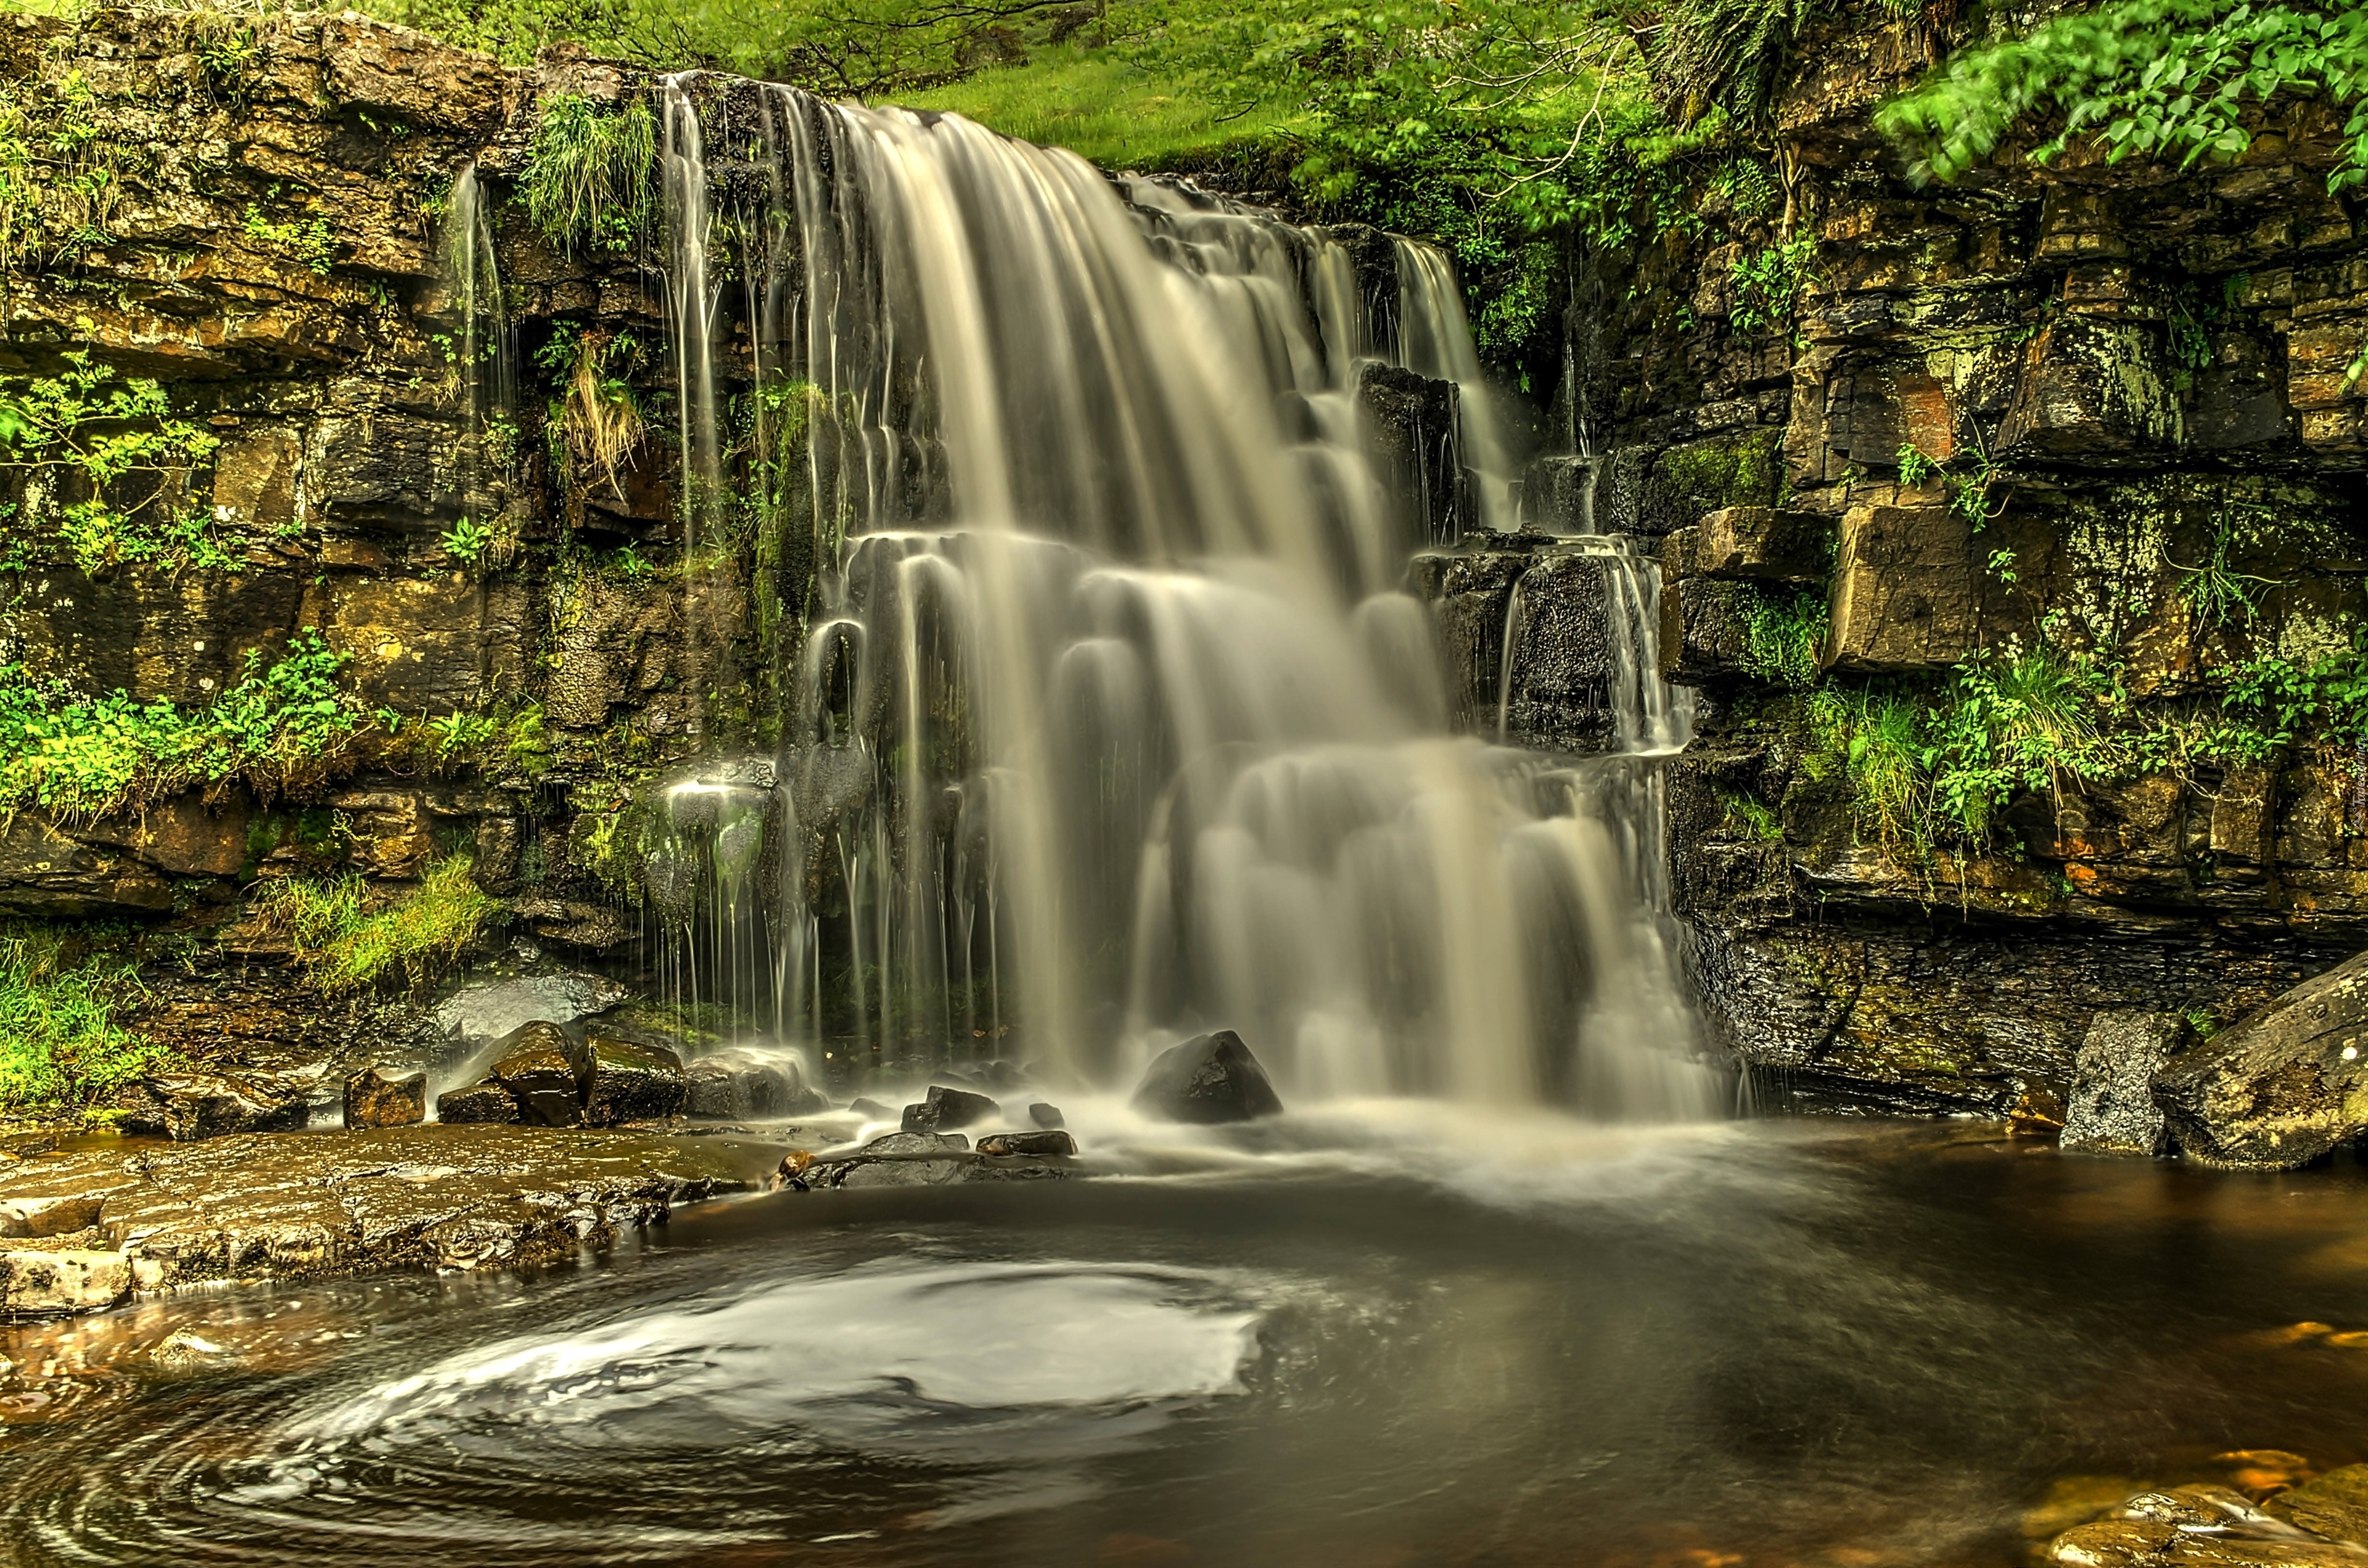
[743,1084]
[375,1097]
[1028,1143]
[916,1144]
[2335,1505]
[630,1082]
[545,1071]
[485,1101]
[1046,1114]
[1208,1079]
[944,1109]
[2281,1089]
[2112,1109]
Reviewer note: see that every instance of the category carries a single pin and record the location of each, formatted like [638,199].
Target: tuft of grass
[1103,107]
[588,174]
[1879,737]
[1783,636]
[347,948]
[62,1043]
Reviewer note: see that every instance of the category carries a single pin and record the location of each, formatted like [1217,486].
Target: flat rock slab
[296,1205]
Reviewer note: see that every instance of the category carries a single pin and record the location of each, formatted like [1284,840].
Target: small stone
[374,1097]
[486,1101]
[1046,1114]
[631,1082]
[1208,1079]
[1054,1142]
[546,1073]
[871,1110]
[2114,1543]
[792,1171]
[945,1108]
[32,1217]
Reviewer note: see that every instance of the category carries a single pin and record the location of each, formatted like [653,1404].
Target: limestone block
[416,642]
[255,480]
[1906,595]
[2090,390]
[429,84]
[1555,685]
[155,633]
[1774,544]
[55,1284]
[1703,630]
[48,872]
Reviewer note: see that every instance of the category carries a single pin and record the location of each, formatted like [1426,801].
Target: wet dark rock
[2112,1108]
[741,1083]
[2200,1525]
[189,1106]
[546,1073]
[945,1108]
[916,1143]
[2282,1088]
[481,1102]
[32,1217]
[1045,1114]
[375,1097]
[492,1010]
[2335,1505]
[632,1082]
[1028,1143]
[871,1110]
[1210,1078]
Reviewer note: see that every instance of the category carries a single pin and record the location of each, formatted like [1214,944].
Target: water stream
[1114,721]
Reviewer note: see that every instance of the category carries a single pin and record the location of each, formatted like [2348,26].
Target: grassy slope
[1102,108]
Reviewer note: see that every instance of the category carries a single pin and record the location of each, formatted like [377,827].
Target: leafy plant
[467,539]
[281,728]
[2167,78]
[588,174]
[101,437]
[1768,282]
[310,241]
[1783,637]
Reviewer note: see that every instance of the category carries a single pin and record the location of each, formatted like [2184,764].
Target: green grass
[589,171]
[62,1044]
[1100,107]
[347,948]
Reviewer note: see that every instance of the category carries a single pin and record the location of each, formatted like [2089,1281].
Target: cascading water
[1112,722]
[484,355]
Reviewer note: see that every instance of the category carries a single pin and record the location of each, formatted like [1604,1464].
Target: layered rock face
[2099,409]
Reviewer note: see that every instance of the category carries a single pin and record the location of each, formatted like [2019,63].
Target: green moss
[1751,816]
[62,1043]
[1703,476]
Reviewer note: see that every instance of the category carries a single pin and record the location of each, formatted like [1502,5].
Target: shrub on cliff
[2160,78]
[282,727]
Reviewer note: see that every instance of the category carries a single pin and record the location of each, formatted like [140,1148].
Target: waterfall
[1436,340]
[484,356]
[1114,721]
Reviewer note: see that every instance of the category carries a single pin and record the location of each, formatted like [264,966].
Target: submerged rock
[2112,1109]
[630,1082]
[1044,1115]
[740,1084]
[2205,1524]
[1028,1143]
[945,1108]
[2335,1505]
[871,1110]
[375,1097]
[2282,1088]
[916,1143]
[919,1159]
[481,1102]
[189,1106]
[546,1073]
[1210,1078]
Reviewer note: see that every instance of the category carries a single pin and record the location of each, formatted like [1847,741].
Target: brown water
[1367,1340]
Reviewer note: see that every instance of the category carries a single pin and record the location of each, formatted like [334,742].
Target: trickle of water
[487,357]
[1113,723]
